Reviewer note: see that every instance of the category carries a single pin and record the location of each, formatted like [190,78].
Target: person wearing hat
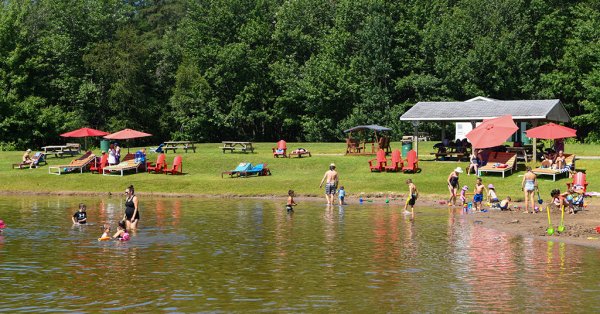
[463,195]
[331,181]
[453,185]
[492,197]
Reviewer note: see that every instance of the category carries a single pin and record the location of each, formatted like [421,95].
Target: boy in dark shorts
[290,202]
[80,217]
[413,194]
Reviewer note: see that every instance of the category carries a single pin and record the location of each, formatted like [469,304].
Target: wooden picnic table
[522,152]
[236,145]
[60,150]
[174,145]
[452,151]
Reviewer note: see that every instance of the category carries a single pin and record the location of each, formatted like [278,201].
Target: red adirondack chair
[159,166]
[99,166]
[379,163]
[177,166]
[280,150]
[396,162]
[578,179]
[412,162]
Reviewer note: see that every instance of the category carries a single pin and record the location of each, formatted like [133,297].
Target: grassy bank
[203,174]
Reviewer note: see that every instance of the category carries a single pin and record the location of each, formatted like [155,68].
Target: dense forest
[303,70]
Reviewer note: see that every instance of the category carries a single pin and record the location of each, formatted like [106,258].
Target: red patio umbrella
[551,131]
[84,132]
[126,134]
[492,132]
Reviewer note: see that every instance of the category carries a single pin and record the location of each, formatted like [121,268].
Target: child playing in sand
[290,202]
[121,234]
[478,197]
[341,195]
[413,194]
[492,197]
[80,217]
[505,204]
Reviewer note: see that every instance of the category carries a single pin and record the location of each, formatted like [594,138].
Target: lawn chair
[159,166]
[578,179]
[128,163]
[243,166]
[177,166]
[98,167]
[36,160]
[412,162]
[280,150]
[259,170]
[80,164]
[396,162]
[380,162]
[158,149]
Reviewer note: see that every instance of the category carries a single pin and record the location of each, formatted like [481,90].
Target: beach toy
[561,227]
[442,202]
[387,200]
[469,206]
[104,239]
[550,230]
[598,229]
[540,201]
[360,200]
[2,224]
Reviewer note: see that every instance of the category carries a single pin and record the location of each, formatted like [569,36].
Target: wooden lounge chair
[98,166]
[128,163]
[379,163]
[299,152]
[411,162]
[569,162]
[177,166]
[396,162]
[161,164]
[77,164]
[578,179]
[280,150]
[499,162]
[36,160]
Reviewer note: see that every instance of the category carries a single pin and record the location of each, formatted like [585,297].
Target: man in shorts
[331,181]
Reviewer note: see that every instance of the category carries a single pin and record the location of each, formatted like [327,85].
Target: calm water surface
[194,255]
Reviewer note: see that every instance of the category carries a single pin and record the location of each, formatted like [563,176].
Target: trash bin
[104,145]
[406,147]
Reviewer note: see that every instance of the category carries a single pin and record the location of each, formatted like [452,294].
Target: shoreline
[579,228]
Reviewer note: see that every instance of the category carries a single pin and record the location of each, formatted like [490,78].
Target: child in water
[121,234]
[341,195]
[463,195]
[106,233]
[290,202]
[80,217]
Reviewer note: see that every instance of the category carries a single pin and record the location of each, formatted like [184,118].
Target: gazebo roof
[373,127]
[480,108]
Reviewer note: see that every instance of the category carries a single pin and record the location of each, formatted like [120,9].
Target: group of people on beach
[480,192]
[130,220]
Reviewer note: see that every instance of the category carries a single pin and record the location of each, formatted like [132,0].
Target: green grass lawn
[203,174]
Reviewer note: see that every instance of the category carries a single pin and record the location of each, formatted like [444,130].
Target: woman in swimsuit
[453,185]
[529,185]
[132,213]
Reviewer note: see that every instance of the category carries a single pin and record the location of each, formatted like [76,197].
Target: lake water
[193,255]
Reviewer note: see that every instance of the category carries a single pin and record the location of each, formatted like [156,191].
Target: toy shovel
[550,230]
[561,227]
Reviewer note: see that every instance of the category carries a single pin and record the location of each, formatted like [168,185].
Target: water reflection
[250,255]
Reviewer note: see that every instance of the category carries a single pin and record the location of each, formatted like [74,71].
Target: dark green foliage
[302,70]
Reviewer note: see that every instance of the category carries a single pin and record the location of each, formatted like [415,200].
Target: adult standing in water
[331,181]
[529,185]
[453,185]
[132,213]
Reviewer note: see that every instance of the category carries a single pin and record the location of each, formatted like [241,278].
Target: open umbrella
[492,132]
[551,131]
[84,132]
[126,134]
